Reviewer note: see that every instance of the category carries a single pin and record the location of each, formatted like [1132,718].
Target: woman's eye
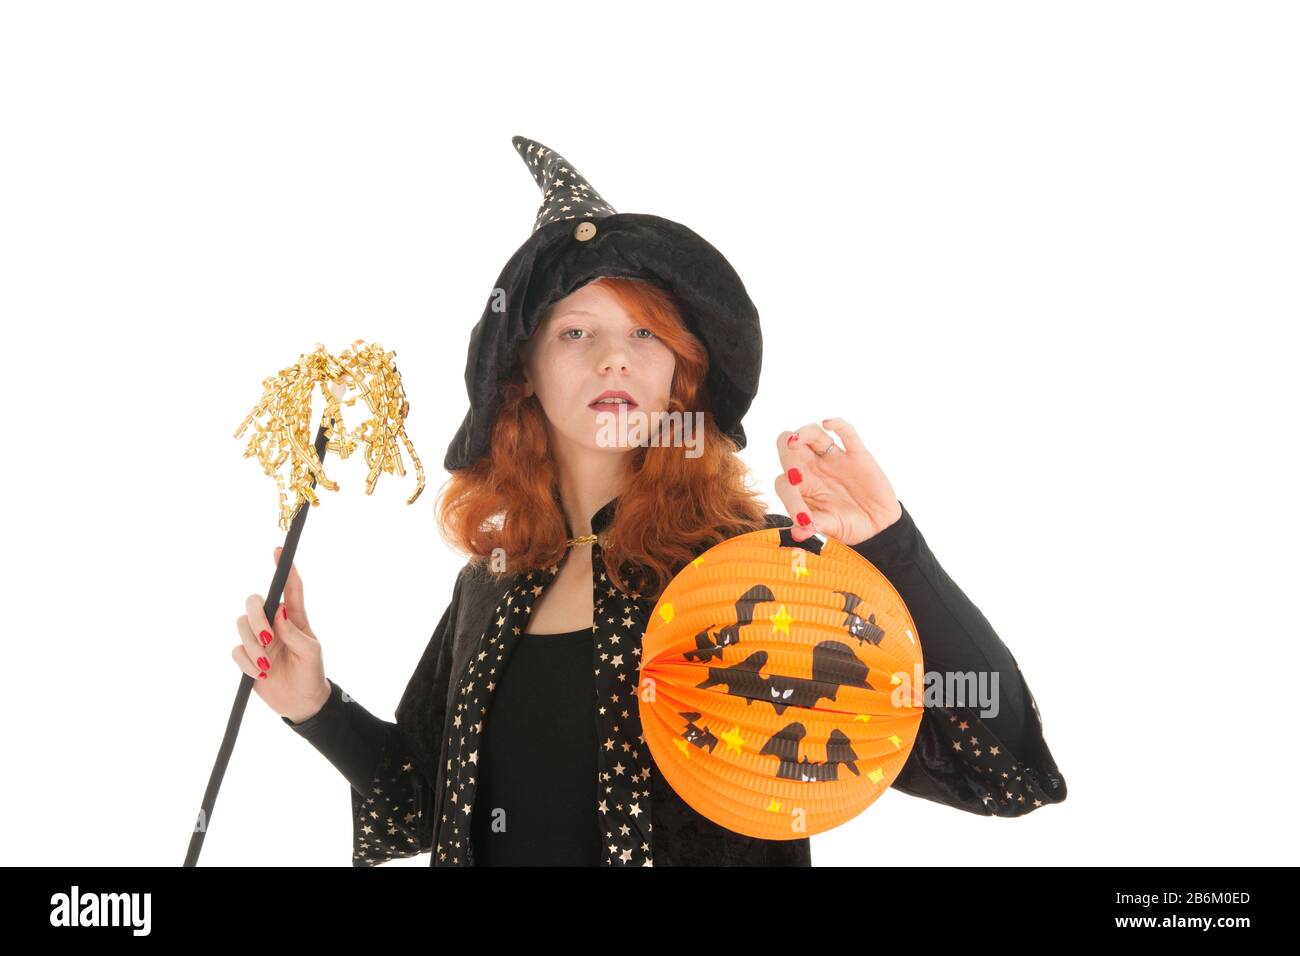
[644,329]
[567,331]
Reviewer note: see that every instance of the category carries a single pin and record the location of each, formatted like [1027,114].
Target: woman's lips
[601,406]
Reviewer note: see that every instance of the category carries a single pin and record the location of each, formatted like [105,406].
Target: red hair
[671,508]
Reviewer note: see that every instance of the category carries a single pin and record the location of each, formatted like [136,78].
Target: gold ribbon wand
[286,405]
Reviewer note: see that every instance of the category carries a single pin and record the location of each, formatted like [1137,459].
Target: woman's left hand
[842,492]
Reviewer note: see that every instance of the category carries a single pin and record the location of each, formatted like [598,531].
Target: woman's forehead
[590,300]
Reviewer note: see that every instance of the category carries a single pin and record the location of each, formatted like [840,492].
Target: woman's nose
[616,357]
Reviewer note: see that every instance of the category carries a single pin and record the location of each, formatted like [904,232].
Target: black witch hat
[577,236]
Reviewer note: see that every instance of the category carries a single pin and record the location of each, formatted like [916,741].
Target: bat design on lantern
[820,634]
[867,630]
[834,666]
[701,737]
[785,743]
[710,646]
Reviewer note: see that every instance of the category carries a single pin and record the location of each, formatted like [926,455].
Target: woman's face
[587,346]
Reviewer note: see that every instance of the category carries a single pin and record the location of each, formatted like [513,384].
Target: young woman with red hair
[607,380]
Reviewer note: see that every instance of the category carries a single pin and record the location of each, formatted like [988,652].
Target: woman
[608,377]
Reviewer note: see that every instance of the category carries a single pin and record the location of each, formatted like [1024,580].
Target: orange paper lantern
[778,686]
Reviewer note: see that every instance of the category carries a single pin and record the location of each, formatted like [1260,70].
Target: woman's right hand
[283,656]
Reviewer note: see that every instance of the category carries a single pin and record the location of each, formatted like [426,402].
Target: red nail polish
[263,663]
[262,676]
[803,518]
[265,637]
[795,477]
[793,439]
[284,612]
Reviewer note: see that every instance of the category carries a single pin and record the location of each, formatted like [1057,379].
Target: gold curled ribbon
[288,436]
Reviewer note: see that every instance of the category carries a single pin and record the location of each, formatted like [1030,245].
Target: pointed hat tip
[579,199]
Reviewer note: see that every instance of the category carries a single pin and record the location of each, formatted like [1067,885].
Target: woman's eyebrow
[594,315]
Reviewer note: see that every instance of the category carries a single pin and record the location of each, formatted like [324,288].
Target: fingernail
[261,675]
[803,519]
[266,638]
[792,439]
[795,477]
[263,663]
[284,612]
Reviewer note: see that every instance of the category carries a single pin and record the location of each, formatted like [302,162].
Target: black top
[537,787]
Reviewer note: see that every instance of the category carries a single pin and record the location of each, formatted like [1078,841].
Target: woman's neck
[586,486]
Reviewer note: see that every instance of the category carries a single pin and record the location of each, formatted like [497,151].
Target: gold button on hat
[584,231]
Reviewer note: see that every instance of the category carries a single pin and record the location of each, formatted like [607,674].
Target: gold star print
[781,621]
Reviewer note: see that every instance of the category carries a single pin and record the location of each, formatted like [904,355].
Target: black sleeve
[350,737]
[392,798]
[994,764]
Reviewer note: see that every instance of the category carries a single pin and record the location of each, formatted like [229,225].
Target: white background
[1042,256]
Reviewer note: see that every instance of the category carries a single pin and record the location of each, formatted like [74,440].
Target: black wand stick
[246,682]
